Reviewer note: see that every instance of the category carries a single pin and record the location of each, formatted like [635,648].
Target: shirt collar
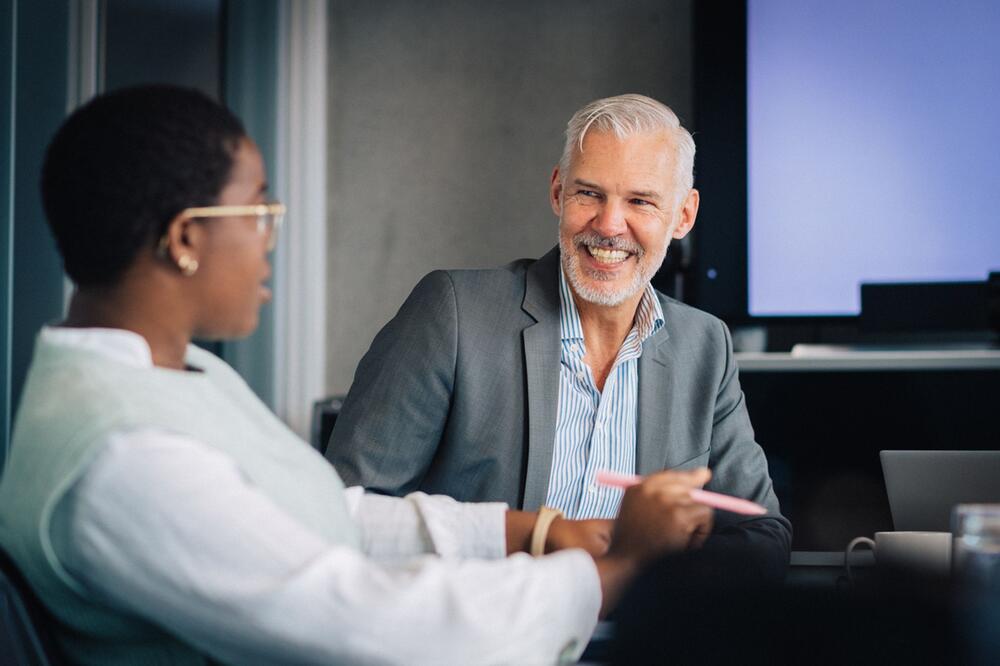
[569,317]
[649,316]
[114,343]
[648,319]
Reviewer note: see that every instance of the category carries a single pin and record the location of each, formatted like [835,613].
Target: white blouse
[167,528]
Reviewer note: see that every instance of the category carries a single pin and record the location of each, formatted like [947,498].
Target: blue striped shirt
[595,430]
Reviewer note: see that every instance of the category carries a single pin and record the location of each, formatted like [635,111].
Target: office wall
[249,87]
[35,92]
[445,120]
[8,45]
[164,41]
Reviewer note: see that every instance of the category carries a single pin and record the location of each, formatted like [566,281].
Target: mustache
[594,239]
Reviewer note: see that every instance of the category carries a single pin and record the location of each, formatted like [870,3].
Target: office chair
[24,623]
[324,416]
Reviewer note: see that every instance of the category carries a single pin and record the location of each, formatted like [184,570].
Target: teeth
[605,256]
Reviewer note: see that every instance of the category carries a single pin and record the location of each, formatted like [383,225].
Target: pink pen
[706,497]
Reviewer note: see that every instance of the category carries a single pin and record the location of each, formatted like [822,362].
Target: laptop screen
[924,486]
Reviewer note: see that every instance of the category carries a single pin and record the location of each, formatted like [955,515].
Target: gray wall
[34,91]
[446,119]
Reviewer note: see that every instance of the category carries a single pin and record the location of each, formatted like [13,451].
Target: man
[521,383]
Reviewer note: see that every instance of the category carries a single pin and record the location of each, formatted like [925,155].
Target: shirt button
[574,348]
[580,374]
[592,488]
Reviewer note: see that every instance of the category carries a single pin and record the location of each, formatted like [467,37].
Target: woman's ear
[181,243]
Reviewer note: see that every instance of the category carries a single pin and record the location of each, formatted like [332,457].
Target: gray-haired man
[521,383]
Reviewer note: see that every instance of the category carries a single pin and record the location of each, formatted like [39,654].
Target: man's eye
[589,193]
[640,202]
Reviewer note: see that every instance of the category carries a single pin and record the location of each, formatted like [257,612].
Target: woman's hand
[594,536]
[657,516]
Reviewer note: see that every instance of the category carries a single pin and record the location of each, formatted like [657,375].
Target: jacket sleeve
[739,468]
[391,423]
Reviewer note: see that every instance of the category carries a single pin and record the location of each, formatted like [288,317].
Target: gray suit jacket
[458,395]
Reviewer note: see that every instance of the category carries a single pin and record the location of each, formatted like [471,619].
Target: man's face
[618,210]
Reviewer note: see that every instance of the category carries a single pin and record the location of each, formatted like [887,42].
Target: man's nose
[610,219]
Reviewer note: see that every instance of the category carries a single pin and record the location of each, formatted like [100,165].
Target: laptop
[924,486]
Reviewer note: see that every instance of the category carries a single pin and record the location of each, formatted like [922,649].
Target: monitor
[841,144]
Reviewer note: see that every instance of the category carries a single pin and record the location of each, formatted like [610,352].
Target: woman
[162,513]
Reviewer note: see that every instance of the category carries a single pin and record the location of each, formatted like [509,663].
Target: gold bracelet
[541,529]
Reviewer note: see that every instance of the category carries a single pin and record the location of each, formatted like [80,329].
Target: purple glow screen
[873,148]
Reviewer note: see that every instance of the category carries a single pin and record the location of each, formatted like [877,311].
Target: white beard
[583,280]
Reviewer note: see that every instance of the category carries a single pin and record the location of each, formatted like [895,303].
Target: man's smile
[608,257]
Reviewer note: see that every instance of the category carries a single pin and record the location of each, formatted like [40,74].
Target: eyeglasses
[269,217]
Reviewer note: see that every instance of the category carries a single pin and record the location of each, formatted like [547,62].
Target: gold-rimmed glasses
[269,216]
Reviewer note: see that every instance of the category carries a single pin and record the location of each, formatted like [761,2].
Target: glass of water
[976,548]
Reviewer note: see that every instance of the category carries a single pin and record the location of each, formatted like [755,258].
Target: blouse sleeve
[167,528]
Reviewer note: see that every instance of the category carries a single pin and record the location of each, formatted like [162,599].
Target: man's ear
[688,212]
[555,192]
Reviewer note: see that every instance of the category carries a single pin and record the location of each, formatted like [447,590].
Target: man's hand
[594,536]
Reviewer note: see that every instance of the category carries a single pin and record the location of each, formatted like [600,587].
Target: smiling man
[520,383]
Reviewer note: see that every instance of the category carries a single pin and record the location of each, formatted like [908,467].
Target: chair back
[25,638]
[324,416]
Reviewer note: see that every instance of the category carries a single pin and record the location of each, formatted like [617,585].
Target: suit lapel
[541,365]
[657,379]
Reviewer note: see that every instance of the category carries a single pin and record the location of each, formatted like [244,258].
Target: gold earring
[187,264]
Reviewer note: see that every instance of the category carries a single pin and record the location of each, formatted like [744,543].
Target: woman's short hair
[123,165]
[625,116]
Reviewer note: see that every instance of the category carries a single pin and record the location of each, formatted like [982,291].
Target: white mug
[929,552]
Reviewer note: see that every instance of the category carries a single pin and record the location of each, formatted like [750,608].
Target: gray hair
[628,115]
